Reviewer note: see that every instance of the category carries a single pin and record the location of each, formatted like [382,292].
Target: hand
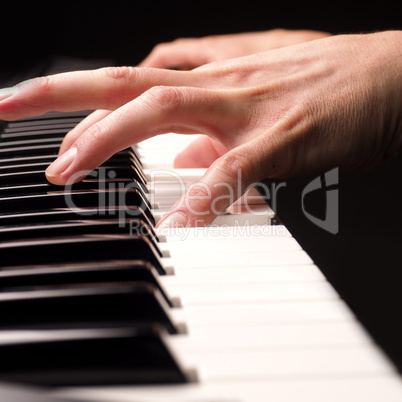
[189,53]
[297,110]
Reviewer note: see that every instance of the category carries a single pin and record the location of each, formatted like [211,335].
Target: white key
[271,315]
[156,164]
[242,275]
[271,337]
[307,311]
[171,140]
[251,293]
[237,244]
[220,233]
[287,363]
[259,258]
[367,388]
[244,219]
[174,175]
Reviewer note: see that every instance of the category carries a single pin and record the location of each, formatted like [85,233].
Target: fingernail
[7,92]
[61,163]
[175,220]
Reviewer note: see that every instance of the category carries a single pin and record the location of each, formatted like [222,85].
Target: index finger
[157,111]
[105,88]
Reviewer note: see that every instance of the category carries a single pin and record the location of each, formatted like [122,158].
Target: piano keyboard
[99,305]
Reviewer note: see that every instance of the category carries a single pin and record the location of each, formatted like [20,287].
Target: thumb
[226,180]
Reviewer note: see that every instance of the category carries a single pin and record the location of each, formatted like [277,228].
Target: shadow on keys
[12,393]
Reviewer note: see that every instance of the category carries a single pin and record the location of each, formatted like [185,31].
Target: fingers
[80,128]
[157,111]
[184,54]
[105,88]
[271,154]
[224,182]
[200,153]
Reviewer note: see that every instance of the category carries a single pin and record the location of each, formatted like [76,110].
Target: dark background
[127,31]
[363,261]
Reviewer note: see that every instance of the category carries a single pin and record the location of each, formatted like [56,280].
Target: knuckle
[124,74]
[118,85]
[164,97]
[181,41]
[165,47]
[197,201]
[232,165]
[44,84]
[241,166]
[199,191]
[41,84]
[95,134]
[279,31]
[38,92]
[161,46]
[161,49]
[157,54]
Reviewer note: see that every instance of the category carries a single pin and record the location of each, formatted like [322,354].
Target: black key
[125,151]
[25,177]
[135,157]
[95,274]
[137,355]
[128,214]
[80,249]
[72,199]
[48,149]
[6,191]
[85,305]
[120,172]
[24,167]
[38,186]
[76,228]
[18,159]
[38,131]
[110,173]
[15,177]
[121,164]
[34,124]
[102,274]
[35,172]
[75,199]
[30,141]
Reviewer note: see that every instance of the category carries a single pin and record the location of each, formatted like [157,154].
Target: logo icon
[331,221]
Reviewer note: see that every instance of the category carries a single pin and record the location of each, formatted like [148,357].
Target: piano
[99,305]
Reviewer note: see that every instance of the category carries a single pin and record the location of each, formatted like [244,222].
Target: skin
[189,53]
[294,109]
